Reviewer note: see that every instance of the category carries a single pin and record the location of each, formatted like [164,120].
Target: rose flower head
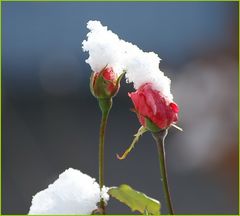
[105,59]
[153,101]
[105,84]
[153,109]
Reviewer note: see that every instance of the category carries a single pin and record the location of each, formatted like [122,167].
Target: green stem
[105,106]
[159,138]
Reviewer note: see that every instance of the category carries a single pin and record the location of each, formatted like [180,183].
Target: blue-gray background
[50,120]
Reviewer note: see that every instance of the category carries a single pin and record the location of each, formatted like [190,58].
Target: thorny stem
[159,138]
[105,106]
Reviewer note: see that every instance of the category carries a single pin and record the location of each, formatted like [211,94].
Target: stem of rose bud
[105,105]
[159,138]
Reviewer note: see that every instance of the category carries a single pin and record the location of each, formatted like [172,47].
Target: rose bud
[106,83]
[155,112]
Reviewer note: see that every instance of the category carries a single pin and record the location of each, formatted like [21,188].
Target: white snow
[72,193]
[105,48]
[143,67]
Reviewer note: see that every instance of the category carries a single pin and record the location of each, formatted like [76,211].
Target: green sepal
[135,200]
[91,83]
[151,126]
[137,136]
[120,78]
[100,87]
[148,123]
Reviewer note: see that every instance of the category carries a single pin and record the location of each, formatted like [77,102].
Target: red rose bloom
[104,84]
[151,105]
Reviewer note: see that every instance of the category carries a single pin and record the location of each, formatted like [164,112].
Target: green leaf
[135,200]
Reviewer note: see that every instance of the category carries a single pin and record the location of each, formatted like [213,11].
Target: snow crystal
[105,48]
[72,193]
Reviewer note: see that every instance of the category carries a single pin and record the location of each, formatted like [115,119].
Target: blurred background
[50,120]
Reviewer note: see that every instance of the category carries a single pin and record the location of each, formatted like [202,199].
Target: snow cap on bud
[105,84]
[105,59]
[104,48]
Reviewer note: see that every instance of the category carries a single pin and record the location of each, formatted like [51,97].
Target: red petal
[174,107]
[108,74]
